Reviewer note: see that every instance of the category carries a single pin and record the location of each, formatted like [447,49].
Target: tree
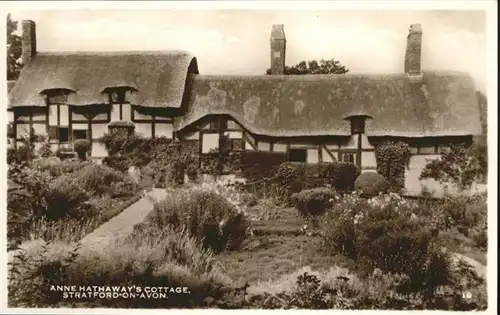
[14,49]
[459,166]
[330,66]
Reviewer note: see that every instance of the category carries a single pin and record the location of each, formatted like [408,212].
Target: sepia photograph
[231,158]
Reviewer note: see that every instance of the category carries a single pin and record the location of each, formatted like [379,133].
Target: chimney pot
[28,41]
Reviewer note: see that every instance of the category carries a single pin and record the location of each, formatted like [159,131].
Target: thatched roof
[441,104]
[10,85]
[157,77]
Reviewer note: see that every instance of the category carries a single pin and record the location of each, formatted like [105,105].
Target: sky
[237,41]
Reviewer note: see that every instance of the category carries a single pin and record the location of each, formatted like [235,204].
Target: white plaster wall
[312,156]
[126,112]
[52,115]
[63,115]
[144,129]
[98,149]
[368,159]
[415,186]
[210,142]
[76,116]
[263,146]
[10,116]
[115,112]
[234,134]
[40,129]
[98,130]
[248,146]
[279,147]
[325,156]
[164,130]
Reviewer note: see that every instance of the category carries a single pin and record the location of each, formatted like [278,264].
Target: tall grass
[172,260]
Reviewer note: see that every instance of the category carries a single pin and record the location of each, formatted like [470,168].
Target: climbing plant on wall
[392,160]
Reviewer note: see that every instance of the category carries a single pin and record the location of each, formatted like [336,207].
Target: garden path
[122,225]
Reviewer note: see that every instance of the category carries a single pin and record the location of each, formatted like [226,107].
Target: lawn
[279,247]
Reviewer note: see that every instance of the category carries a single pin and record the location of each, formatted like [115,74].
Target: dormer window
[357,120]
[56,96]
[118,95]
[357,125]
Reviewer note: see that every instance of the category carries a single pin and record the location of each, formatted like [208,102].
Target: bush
[392,160]
[101,179]
[24,153]
[170,259]
[205,214]
[459,166]
[313,202]
[385,233]
[55,167]
[371,184]
[66,198]
[256,165]
[65,153]
[292,177]
[82,147]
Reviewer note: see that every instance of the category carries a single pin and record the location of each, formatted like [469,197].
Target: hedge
[292,177]
[256,165]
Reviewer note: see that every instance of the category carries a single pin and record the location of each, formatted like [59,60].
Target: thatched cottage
[73,95]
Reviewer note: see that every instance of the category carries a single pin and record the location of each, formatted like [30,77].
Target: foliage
[65,153]
[371,184]
[14,50]
[458,166]
[82,147]
[45,150]
[386,233]
[392,158]
[101,179]
[170,259]
[55,167]
[313,202]
[24,151]
[292,177]
[329,66]
[256,165]
[205,214]
[162,158]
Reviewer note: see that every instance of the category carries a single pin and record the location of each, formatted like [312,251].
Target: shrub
[459,166]
[55,167]
[100,179]
[313,202]
[392,159]
[23,153]
[371,184]
[170,259]
[256,165]
[65,153]
[292,177]
[82,147]
[205,214]
[66,198]
[385,233]
[45,149]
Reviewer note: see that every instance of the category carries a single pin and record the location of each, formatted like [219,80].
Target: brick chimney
[28,41]
[413,50]
[278,49]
